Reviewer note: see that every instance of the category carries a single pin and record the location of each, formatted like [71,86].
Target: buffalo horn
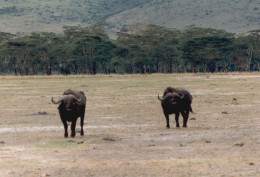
[165,96]
[57,102]
[159,98]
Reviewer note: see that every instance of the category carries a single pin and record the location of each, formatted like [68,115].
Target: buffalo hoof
[82,133]
[65,135]
[168,127]
[73,134]
[184,126]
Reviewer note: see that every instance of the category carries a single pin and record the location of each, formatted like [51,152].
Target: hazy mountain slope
[231,15]
[26,16]
[51,15]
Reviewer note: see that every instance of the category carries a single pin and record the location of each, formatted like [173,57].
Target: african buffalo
[72,105]
[176,101]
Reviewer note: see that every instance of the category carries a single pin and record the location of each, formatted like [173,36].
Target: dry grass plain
[125,132]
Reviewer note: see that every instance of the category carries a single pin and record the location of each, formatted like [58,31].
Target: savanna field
[125,132]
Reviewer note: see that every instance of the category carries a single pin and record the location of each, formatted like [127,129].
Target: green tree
[92,48]
[205,47]
[18,53]
[160,44]
[242,54]
[127,46]
[254,37]
[46,50]
[150,47]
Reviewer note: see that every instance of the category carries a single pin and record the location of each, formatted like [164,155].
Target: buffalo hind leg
[73,127]
[185,115]
[177,119]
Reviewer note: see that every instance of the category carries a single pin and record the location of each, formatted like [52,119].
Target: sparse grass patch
[109,138]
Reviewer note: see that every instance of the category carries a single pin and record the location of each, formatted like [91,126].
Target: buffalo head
[171,98]
[68,101]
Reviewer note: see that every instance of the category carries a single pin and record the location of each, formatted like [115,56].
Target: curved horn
[57,102]
[159,98]
[165,96]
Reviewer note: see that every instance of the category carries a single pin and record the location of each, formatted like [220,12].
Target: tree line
[137,49]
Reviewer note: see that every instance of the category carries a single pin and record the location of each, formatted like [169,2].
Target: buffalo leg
[81,125]
[185,115]
[167,120]
[73,127]
[177,119]
[65,128]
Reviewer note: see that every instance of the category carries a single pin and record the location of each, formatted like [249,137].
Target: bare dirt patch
[125,132]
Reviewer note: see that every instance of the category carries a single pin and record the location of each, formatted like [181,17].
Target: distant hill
[26,16]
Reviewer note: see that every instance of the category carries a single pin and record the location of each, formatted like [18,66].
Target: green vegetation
[108,138]
[137,49]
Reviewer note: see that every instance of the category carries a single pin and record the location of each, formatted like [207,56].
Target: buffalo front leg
[167,120]
[81,125]
[177,119]
[65,128]
[73,127]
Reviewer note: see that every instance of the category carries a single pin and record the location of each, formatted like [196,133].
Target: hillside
[25,16]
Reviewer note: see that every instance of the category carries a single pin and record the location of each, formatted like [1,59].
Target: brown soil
[125,132]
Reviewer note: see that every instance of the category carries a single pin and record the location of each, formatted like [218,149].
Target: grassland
[125,132]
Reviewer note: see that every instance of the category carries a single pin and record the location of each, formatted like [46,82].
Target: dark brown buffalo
[176,101]
[72,106]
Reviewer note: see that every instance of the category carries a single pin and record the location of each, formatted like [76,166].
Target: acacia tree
[220,48]
[242,54]
[160,44]
[255,42]
[191,53]
[62,54]
[46,49]
[171,52]
[4,54]
[205,46]
[127,47]
[93,48]
[17,51]
[37,51]
[119,62]
[138,48]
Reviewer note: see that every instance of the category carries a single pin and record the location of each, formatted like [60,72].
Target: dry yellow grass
[125,131]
